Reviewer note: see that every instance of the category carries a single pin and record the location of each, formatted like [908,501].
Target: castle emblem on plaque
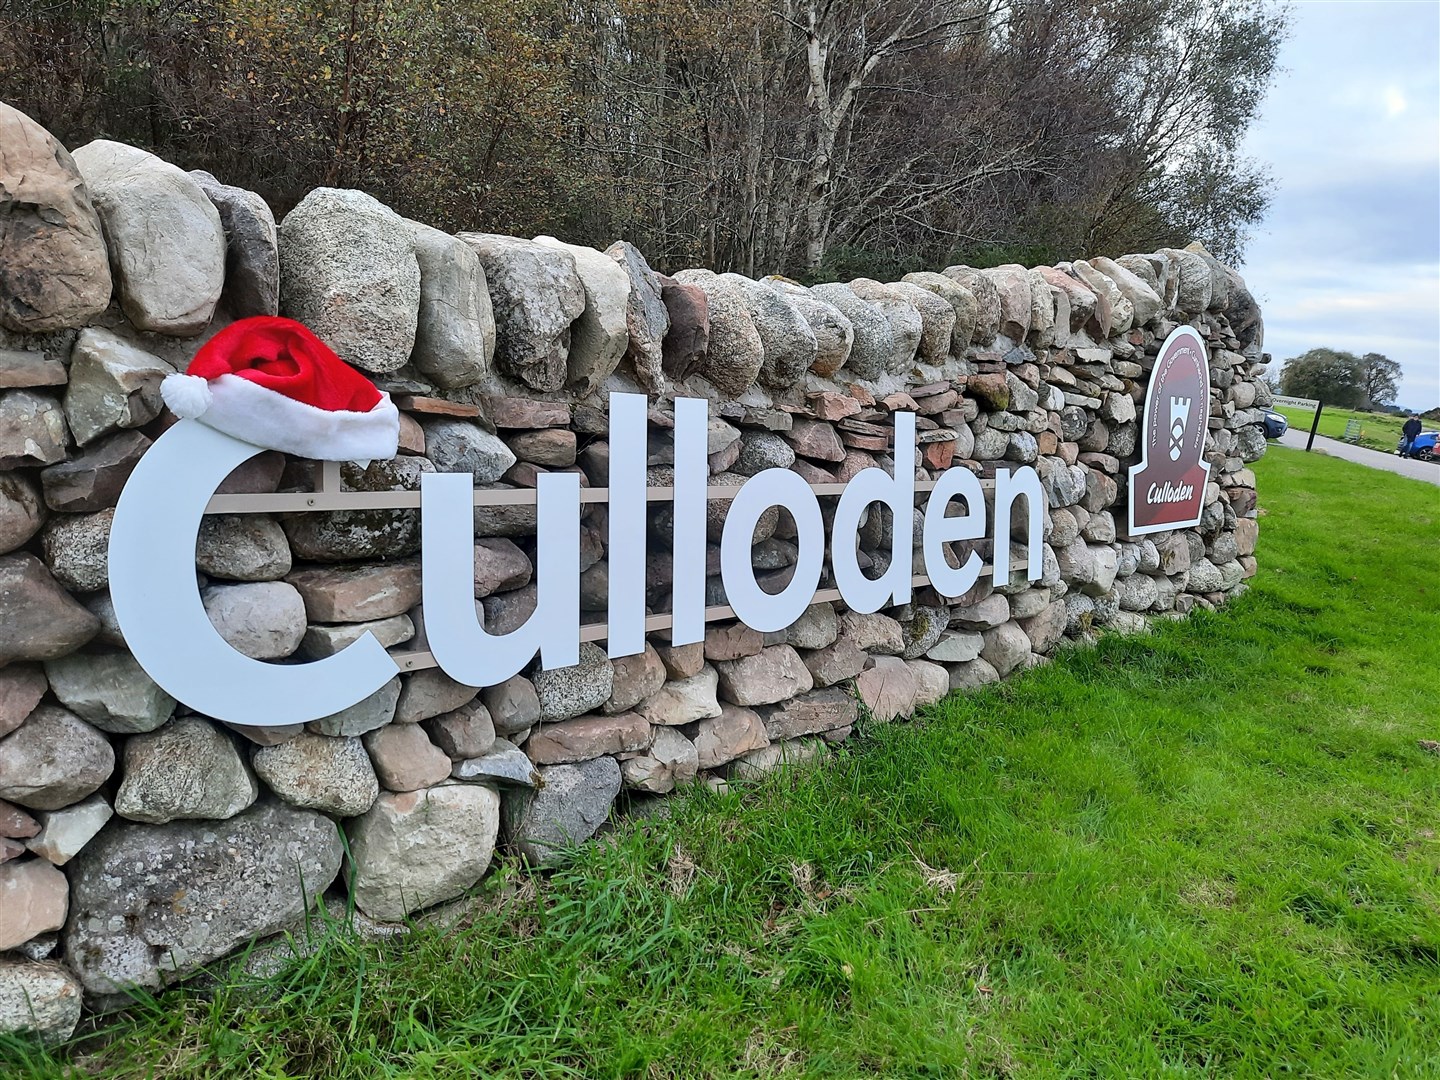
[1179,417]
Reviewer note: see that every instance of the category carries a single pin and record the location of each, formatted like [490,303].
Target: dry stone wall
[139,841]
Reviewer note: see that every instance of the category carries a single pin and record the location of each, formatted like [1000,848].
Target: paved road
[1416,470]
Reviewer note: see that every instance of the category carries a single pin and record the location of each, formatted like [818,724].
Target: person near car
[1407,435]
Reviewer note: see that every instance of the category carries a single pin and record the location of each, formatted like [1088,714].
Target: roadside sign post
[1303,403]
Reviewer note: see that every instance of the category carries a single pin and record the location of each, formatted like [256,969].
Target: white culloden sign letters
[158,606]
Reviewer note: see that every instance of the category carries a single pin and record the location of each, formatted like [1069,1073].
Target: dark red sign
[1167,488]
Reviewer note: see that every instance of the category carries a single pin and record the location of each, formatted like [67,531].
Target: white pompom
[187,396]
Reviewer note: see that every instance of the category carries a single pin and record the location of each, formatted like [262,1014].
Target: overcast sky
[1349,255]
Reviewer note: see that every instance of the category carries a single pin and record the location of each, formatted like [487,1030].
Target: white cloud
[1387,310]
[1349,256]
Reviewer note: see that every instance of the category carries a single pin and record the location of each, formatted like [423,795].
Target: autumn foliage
[838,136]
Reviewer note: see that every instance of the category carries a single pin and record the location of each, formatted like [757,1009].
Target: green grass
[1209,852]
[1379,431]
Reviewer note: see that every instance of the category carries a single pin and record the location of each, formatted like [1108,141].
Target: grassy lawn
[1209,852]
[1379,431]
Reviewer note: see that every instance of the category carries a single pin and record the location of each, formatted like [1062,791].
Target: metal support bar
[418,660]
[327,497]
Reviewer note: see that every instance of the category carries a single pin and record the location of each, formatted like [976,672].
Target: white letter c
[158,606]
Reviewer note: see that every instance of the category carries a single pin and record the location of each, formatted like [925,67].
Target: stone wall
[139,841]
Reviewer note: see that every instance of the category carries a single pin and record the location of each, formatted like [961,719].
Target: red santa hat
[271,382]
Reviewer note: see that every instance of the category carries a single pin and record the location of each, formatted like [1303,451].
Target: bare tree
[847,43]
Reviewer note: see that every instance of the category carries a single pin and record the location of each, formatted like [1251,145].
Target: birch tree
[847,46]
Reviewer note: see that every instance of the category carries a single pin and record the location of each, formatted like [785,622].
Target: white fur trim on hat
[187,396]
[263,417]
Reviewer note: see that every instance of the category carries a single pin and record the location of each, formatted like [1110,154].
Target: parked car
[1275,424]
[1424,448]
